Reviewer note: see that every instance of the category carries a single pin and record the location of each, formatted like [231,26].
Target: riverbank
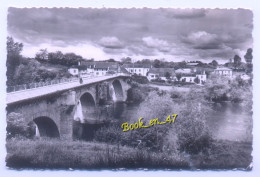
[53,154]
[56,154]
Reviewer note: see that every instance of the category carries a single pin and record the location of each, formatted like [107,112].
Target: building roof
[135,65]
[123,70]
[183,70]
[162,71]
[192,64]
[100,64]
[223,68]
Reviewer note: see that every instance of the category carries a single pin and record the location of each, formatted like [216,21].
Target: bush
[17,127]
[140,79]
[191,128]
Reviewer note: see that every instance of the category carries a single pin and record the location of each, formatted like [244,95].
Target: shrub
[16,125]
[140,79]
[191,128]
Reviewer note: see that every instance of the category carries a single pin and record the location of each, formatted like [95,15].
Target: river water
[226,120]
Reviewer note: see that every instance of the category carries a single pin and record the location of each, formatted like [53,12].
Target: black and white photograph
[129,89]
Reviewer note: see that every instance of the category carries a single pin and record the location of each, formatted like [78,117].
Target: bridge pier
[66,122]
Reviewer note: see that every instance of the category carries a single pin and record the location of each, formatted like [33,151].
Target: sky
[169,34]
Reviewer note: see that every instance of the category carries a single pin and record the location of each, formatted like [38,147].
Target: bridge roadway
[18,96]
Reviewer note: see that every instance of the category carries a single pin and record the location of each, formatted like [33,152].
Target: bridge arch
[118,89]
[47,127]
[85,113]
[86,104]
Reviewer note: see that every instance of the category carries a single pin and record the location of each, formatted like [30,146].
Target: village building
[161,73]
[73,70]
[223,71]
[198,77]
[85,69]
[139,69]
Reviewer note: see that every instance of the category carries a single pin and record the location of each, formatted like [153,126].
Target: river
[226,120]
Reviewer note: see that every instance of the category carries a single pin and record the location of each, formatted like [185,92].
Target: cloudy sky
[172,34]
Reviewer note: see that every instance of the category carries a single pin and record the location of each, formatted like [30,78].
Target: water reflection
[228,121]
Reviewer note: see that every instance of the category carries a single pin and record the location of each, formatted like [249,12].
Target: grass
[225,155]
[85,155]
[57,154]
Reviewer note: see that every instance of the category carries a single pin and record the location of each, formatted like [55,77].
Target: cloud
[203,40]
[159,44]
[111,42]
[143,33]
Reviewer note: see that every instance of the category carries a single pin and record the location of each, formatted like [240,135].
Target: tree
[55,57]
[111,60]
[237,61]
[178,76]
[197,80]
[248,56]
[13,58]
[42,55]
[157,63]
[214,63]
[71,59]
[167,75]
[16,125]
[126,60]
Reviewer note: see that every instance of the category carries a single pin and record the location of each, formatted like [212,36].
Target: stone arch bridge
[55,112]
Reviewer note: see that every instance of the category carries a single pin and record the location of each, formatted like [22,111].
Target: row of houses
[191,75]
[96,69]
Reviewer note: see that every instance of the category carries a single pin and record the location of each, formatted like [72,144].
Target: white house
[160,73]
[223,71]
[139,69]
[73,71]
[190,77]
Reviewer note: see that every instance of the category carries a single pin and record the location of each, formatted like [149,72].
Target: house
[74,70]
[83,71]
[101,68]
[223,71]
[160,73]
[139,69]
[96,68]
[198,77]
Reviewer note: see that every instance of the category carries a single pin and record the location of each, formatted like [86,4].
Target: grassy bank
[85,155]
[225,155]
[91,155]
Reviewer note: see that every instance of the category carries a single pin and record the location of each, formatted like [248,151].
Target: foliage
[191,128]
[167,75]
[13,58]
[197,80]
[214,63]
[126,60]
[17,127]
[137,93]
[217,88]
[42,55]
[237,61]
[140,79]
[248,56]
[220,88]
[30,71]
[158,80]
